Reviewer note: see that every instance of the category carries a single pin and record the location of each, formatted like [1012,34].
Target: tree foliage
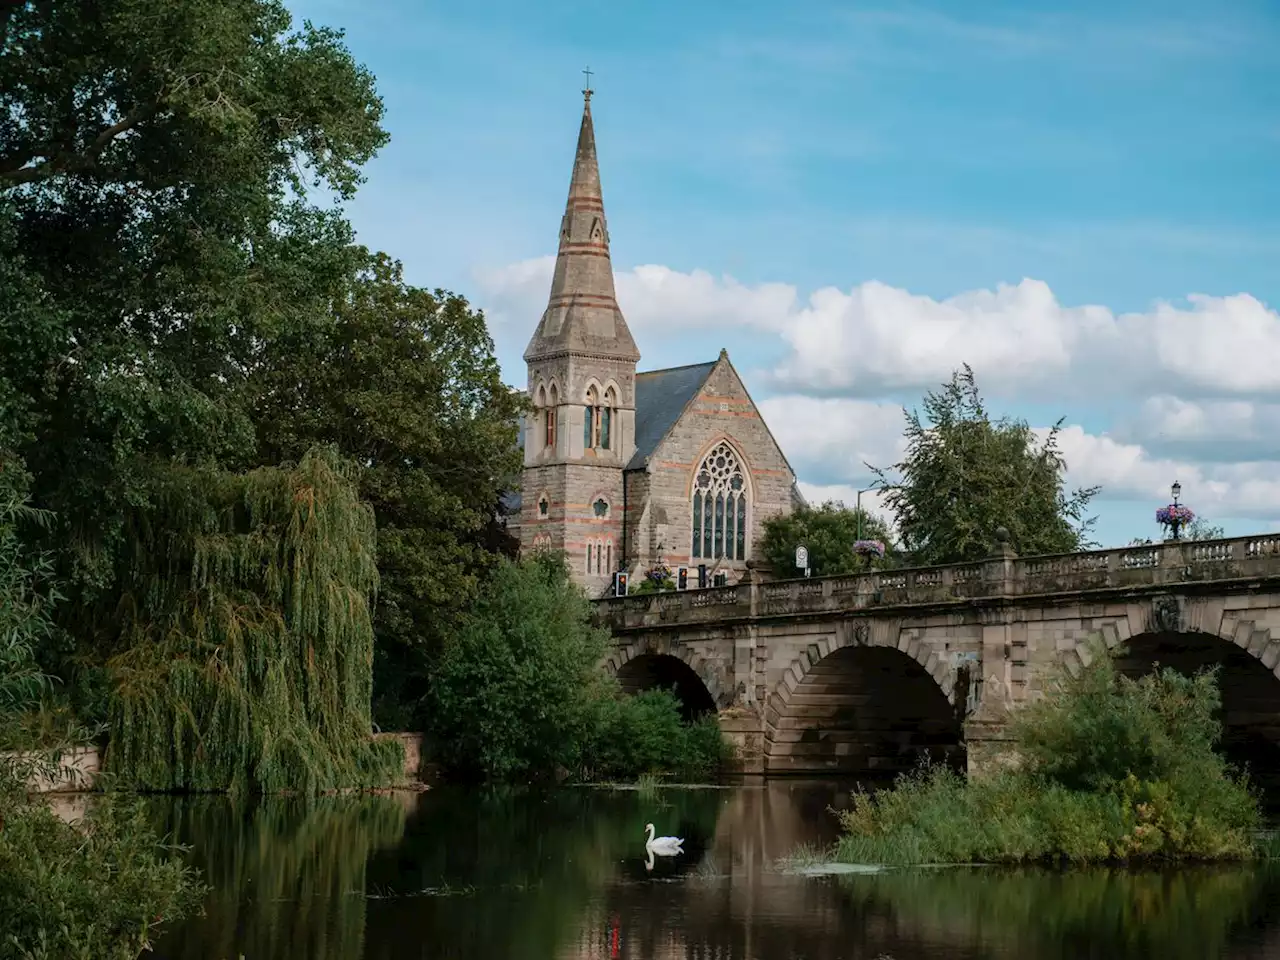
[512,696]
[964,475]
[245,637]
[518,693]
[828,532]
[154,159]
[98,888]
[404,383]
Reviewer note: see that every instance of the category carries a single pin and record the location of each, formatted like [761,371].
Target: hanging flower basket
[1175,513]
[868,548]
[659,575]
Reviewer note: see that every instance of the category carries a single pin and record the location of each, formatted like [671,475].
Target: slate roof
[512,499]
[661,396]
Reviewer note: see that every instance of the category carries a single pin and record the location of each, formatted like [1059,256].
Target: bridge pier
[743,728]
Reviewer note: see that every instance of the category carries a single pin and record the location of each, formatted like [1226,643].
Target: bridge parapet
[1124,568]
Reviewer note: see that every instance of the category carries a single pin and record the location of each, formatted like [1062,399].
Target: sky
[1081,201]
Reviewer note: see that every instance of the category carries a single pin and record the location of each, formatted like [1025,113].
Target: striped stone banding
[585,299]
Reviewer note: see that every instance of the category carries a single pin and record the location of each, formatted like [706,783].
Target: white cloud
[1182,391]
[1214,430]
[652,297]
[1128,471]
[831,439]
[1019,338]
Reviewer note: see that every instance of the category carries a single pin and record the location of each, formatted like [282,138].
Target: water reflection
[535,875]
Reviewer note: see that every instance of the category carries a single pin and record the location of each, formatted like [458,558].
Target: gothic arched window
[597,419]
[720,506]
[606,417]
[549,436]
[589,414]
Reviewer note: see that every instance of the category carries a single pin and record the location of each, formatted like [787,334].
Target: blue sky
[856,198]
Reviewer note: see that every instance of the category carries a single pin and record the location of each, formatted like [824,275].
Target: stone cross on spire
[582,315]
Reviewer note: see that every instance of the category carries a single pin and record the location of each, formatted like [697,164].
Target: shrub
[98,888]
[643,735]
[95,890]
[518,693]
[1111,769]
[514,693]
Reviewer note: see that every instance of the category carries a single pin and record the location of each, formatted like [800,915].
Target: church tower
[582,368]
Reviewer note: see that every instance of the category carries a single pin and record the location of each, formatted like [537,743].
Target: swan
[662,846]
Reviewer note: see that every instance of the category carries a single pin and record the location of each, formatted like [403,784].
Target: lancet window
[549,420]
[597,419]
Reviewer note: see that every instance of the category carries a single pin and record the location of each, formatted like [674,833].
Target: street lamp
[1176,515]
[857,509]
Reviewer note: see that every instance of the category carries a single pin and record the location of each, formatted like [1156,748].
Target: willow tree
[964,475]
[245,635]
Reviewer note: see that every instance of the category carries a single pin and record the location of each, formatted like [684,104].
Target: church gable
[719,469]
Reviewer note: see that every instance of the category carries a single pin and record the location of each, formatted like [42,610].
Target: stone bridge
[863,674]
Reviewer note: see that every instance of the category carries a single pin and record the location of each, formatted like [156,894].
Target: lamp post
[857,509]
[1175,522]
[1176,515]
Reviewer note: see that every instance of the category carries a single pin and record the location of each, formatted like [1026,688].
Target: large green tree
[405,383]
[828,532]
[155,159]
[964,475]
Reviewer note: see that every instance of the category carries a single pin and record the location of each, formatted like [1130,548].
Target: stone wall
[79,769]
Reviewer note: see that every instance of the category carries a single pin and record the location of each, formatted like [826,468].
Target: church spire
[582,315]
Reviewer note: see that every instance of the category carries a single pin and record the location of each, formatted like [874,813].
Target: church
[625,470]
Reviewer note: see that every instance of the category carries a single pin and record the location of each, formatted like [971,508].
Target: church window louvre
[597,419]
[720,506]
[549,422]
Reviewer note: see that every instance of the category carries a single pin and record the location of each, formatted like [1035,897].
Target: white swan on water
[662,846]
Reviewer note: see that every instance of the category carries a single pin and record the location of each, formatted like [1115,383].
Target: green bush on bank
[97,889]
[517,694]
[644,734]
[1109,769]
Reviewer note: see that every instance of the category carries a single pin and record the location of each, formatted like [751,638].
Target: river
[540,875]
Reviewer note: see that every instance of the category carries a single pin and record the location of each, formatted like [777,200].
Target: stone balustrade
[1124,568]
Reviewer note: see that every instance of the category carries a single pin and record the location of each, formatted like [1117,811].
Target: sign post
[802,559]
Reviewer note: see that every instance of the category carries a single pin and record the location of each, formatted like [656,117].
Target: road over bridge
[865,673]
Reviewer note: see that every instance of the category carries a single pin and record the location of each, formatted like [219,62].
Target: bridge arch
[646,666]
[863,705]
[1249,678]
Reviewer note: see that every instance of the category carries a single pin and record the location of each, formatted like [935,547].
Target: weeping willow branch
[246,639]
